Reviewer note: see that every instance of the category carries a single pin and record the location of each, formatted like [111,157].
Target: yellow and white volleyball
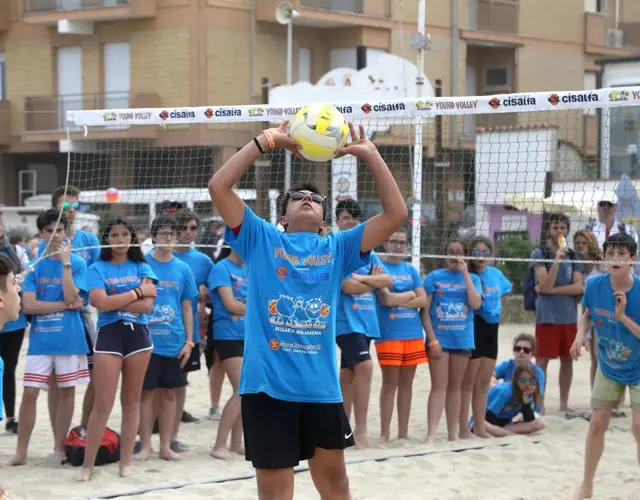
[320,129]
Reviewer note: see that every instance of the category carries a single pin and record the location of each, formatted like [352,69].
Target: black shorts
[354,349]
[209,349]
[90,353]
[193,365]
[486,339]
[280,434]
[164,373]
[229,349]
[123,338]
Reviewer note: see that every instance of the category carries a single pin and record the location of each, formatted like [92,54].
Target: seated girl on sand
[514,407]
[524,349]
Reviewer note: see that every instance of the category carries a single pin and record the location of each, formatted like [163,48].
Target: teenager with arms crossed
[356,325]
[53,294]
[400,347]
[9,311]
[228,284]
[611,302]
[11,336]
[122,288]
[291,403]
[486,321]
[453,294]
[200,265]
[171,329]
[558,286]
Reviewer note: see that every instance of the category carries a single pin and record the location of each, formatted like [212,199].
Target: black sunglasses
[520,348]
[193,227]
[605,204]
[315,197]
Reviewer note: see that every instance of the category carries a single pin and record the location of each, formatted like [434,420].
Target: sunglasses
[315,197]
[481,253]
[605,204]
[397,242]
[520,348]
[66,205]
[531,380]
[191,228]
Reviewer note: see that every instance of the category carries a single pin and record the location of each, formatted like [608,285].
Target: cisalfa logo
[208,113]
[282,272]
[366,107]
[274,344]
[164,115]
[554,99]
[494,103]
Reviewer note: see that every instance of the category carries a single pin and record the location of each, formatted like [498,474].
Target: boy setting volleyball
[291,402]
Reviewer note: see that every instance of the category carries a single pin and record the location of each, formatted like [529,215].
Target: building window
[496,79]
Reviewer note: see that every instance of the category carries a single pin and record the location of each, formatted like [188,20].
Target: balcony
[49,12]
[332,13]
[5,126]
[603,38]
[491,21]
[45,116]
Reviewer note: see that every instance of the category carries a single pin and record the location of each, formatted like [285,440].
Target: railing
[49,113]
[353,6]
[493,15]
[46,6]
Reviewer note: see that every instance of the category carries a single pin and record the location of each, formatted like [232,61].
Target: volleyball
[320,129]
[112,195]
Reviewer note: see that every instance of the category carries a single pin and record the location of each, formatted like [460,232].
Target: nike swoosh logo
[347,436]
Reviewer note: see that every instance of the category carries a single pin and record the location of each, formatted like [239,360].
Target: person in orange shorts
[400,348]
[453,293]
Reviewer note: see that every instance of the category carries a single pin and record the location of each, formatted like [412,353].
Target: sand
[547,466]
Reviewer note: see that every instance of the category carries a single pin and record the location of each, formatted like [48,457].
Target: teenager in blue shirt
[53,294]
[524,349]
[453,295]
[9,311]
[66,199]
[122,287]
[11,336]
[200,265]
[400,347]
[513,407]
[228,285]
[356,326]
[611,303]
[171,328]
[291,403]
[486,320]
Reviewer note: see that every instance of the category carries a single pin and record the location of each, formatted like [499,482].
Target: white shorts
[71,370]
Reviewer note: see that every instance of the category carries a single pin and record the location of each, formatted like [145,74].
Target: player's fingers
[352,131]
[283,125]
[362,136]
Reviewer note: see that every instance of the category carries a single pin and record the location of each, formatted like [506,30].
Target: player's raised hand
[282,139]
[360,147]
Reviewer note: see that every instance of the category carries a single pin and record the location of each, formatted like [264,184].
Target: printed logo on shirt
[297,315]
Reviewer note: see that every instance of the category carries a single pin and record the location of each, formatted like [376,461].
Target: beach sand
[547,466]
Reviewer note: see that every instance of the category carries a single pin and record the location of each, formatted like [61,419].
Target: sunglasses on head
[521,348]
[531,380]
[66,205]
[315,197]
[481,253]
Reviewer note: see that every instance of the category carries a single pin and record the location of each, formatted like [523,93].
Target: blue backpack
[530,294]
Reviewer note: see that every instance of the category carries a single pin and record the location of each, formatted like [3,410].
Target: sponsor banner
[369,110]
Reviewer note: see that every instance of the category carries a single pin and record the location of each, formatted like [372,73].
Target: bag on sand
[74,446]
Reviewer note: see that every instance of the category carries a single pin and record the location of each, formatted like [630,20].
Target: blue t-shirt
[500,401]
[504,371]
[166,324]
[290,332]
[494,286]
[228,326]
[359,313]
[200,265]
[400,323]
[451,314]
[116,279]
[81,239]
[61,333]
[21,322]
[618,348]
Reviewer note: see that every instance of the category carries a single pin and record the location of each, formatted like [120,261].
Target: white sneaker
[214,414]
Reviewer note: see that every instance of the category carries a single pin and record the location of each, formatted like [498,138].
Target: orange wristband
[270,141]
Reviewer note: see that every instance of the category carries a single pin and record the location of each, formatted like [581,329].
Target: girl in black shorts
[477,375]
[122,288]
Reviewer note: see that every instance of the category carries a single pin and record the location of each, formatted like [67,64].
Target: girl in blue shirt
[122,288]
[486,320]
[400,347]
[453,293]
[228,287]
[514,407]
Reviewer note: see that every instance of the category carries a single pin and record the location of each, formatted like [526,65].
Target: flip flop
[179,447]
[586,416]
[617,413]
[572,415]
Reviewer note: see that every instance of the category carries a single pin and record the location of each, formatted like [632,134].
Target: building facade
[59,55]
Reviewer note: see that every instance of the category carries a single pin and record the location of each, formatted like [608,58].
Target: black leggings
[10,344]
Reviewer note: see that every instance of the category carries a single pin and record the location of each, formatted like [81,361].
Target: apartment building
[59,55]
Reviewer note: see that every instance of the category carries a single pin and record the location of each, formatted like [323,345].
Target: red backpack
[74,445]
